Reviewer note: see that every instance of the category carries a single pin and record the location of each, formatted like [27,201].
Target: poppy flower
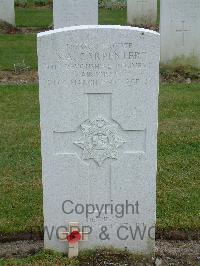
[74,237]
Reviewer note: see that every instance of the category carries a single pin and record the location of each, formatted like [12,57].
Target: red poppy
[74,237]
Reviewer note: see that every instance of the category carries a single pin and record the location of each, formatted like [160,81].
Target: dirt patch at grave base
[23,30]
[13,78]
[34,30]
[6,28]
[178,252]
[20,249]
[171,235]
[146,26]
[167,253]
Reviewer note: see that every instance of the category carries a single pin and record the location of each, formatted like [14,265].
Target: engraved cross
[100,141]
[183,31]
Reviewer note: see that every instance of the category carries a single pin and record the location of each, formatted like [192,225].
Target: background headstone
[7,11]
[98,99]
[141,12]
[75,12]
[180,32]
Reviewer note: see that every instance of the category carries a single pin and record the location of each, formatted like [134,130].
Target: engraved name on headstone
[98,99]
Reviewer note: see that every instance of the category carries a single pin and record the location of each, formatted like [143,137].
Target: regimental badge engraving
[100,140]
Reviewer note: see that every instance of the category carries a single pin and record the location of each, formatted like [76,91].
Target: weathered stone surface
[7,11]
[75,12]
[142,12]
[98,100]
[180,32]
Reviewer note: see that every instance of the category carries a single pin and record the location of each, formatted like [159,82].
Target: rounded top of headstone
[96,27]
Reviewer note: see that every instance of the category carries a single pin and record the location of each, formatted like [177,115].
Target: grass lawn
[20,188]
[34,17]
[16,48]
[112,17]
[178,186]
[178,165]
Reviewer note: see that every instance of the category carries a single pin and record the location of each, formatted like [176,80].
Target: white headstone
[98,99]
[141,12]
[180,31]
[7,11]
[74,13]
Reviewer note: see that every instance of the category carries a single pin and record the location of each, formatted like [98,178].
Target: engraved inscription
[88,66]
[100,140]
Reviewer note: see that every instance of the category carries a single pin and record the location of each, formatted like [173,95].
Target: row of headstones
[70,13]
[179,22]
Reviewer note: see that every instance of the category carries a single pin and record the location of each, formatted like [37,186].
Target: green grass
[112,17]
[34,17]
[16,48]
[178,185]
[20,188]
[179,157]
